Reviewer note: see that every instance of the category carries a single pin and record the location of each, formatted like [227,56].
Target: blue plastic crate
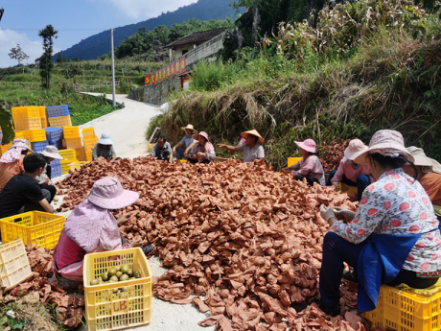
[54,134]
[57,111]
[39,146]
[58,144]
[55,162]
[55,170]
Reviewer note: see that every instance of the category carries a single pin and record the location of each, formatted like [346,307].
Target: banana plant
[6,125]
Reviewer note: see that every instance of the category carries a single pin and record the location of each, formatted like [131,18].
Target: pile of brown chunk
[69,308]
[246,238]
[334,153]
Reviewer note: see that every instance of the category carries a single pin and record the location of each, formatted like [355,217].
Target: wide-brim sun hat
[387,143]
[202,134]
[308,145]
[105,139]
[355,149]
[21,143]
[189,127]
[253,133]
[52,152]
[108,193]
[422,160]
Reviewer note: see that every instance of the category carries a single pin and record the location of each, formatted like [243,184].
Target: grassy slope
[390,81]
[18,89]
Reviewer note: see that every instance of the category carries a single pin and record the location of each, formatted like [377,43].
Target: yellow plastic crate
[70,132]
[76,165]
[74,143]
[14,264]
[19,135]
[293,160]
[352,190]
[26,112]
[4,148]
[106,310]
[406,311]
[88,156]
[68,154]
[60,122]
[44,124]
[81,154]
[35,135]
[38,228]
[90,142]
[89,133]
[65,167]
[24,124]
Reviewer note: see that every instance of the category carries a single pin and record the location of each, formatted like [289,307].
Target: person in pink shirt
[11,163]
[92,228]
[351,173]
[309,167]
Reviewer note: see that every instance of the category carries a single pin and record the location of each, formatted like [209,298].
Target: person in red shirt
[429,176]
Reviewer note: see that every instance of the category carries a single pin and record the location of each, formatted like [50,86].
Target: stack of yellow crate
[69,156]
[72,140]
[89,140]
[27,118]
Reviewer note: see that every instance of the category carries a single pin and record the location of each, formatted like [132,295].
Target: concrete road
[127,127]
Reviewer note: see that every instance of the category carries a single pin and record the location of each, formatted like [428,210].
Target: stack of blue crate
[39,146]
[55,166]
[55,136]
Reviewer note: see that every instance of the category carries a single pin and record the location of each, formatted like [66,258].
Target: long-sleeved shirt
[396,205]
[350,171]
[432,184]
[208,150]
[162,153]
[9,170]
[98,151]
[251,154]
[309,166]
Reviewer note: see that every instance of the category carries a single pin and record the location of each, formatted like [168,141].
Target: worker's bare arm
[47,206]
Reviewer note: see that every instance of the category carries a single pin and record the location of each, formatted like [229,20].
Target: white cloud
[143,9]
[10,38]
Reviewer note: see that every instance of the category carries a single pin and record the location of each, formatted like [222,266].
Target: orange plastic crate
[88,132]
[38,228]
[81,154]
[70,132]
[60,122]
[74,143]
[19,135]
[24,124]
[404,310]
[107,310]
[14,264]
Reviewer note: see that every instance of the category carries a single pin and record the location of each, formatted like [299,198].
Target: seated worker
[252,150]
[392,238]
[162,150]
[104,148]
[44,180]
[92,228]
[11,163]
[22,193]
[349,172]
[201,150]
[429,176]
[309,167]
[180,147]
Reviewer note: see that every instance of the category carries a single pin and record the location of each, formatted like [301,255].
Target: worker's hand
[185,153]
[136,243]
[200,154]
[335,184]
[174,150]
[284,170]
[123,219]
[221,145]
[327,213]
[343,214]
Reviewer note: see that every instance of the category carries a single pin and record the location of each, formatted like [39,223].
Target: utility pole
[113,70]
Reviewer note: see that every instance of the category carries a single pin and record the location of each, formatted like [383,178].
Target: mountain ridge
[99,44]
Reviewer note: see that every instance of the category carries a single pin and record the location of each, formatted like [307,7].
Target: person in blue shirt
[179,148]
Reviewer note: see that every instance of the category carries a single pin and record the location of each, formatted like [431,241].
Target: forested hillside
[97,45]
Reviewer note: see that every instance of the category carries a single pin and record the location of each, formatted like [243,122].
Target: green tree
[16,53]
[6,125]
[48,34]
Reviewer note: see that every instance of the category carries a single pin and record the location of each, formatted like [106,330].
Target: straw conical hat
[189,127]
[254,133]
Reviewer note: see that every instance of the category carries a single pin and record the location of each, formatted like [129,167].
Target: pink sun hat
[308,145]
[203,134]
[356,148]
[108,193]
[387,143]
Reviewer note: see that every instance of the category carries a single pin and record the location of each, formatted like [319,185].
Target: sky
[74,20]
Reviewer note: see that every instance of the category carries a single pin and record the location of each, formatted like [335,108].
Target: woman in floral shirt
[394,229]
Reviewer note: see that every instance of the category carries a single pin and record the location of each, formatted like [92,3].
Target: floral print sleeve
[398,205]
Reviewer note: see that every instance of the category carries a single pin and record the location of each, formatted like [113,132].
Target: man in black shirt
[22,193]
